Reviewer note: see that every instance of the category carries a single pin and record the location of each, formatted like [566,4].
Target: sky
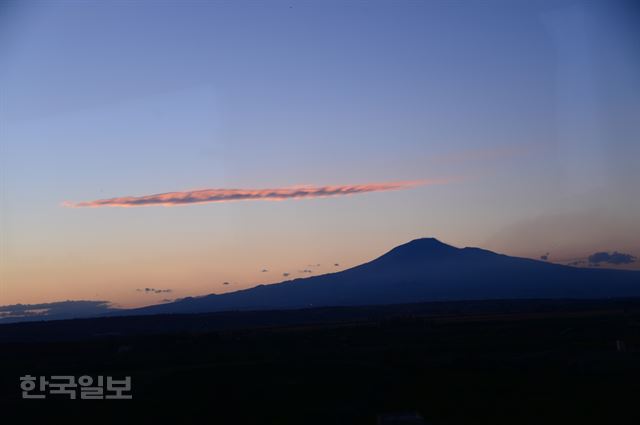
[176,146]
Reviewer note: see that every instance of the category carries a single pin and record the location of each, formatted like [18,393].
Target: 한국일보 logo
[85,387]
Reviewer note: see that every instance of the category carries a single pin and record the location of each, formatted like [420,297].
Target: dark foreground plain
[491,362]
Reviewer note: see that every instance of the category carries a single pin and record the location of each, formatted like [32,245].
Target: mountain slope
[421,270]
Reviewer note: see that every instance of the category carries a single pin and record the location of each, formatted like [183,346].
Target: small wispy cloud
[205,196]
[153,290]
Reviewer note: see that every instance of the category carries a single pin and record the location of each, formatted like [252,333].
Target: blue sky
[530,109]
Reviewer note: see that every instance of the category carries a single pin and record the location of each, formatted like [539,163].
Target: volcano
[422,270]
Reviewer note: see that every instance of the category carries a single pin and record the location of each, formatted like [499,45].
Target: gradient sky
[527,114]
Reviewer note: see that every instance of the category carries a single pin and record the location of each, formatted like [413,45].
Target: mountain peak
[420,248]
[423,242]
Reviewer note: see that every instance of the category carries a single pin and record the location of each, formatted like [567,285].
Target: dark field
[509,362]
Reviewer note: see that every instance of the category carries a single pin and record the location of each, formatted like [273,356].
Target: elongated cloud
[205,196]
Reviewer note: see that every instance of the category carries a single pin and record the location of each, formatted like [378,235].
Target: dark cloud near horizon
[54,310]
[544,257]
[615,258]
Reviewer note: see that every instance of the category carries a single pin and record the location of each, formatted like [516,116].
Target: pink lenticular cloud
[204,196]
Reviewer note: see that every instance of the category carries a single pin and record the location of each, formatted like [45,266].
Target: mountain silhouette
[419,271]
